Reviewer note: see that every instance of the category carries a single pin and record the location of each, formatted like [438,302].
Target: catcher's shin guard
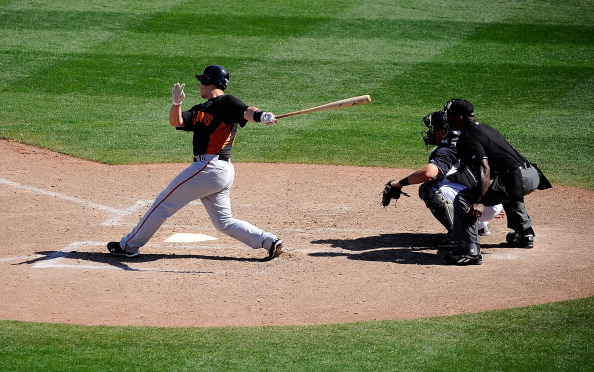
[441,207]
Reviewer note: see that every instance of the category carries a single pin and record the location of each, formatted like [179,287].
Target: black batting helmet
[214,74]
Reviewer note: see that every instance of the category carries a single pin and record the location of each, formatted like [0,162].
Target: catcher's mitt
[390,192]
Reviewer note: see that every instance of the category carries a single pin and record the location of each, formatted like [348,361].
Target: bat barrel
[331,106]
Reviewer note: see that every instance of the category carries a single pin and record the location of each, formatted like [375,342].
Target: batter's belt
[205,156]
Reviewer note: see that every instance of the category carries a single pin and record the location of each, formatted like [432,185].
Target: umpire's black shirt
[480,141]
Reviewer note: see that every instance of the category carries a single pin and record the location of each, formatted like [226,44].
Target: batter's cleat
[514,239]
[276,249]
[115,249]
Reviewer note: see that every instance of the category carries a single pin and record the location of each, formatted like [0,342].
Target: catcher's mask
[432,122]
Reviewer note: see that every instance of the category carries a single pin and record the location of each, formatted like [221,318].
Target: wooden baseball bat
[331,106]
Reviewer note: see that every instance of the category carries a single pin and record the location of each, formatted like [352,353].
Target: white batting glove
[178,93]
[268,118]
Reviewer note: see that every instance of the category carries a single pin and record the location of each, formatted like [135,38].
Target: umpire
[505,176]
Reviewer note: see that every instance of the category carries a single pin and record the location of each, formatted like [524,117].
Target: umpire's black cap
[458,107]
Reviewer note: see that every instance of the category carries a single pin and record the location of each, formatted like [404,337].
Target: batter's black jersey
[214,124]
[444,157]
[480,141]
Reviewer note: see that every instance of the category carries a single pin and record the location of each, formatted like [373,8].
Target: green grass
[93,78]
[550,337]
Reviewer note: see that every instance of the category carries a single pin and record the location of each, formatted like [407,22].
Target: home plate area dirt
[346,258]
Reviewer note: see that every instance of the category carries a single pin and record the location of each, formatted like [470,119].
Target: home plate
[189,238]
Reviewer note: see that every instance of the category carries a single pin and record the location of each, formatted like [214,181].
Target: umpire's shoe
[464,259]
[276,249]
[115,249]
[470,255]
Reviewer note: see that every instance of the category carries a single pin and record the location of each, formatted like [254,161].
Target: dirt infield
[347,258]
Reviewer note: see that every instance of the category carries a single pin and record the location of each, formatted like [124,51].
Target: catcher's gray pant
[208,179]
[439,198]
[465,226]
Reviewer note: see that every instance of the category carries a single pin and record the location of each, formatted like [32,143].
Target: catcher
[441,179]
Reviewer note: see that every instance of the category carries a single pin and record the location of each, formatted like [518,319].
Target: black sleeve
[236,111]
[470,150]
[188,118]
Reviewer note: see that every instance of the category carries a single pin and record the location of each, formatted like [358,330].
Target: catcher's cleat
[115,249]
[484,231]
[276,249]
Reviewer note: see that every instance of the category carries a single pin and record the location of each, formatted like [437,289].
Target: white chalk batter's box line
[53,260]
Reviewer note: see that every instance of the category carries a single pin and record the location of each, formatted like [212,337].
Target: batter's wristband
[404,182]
[258,115]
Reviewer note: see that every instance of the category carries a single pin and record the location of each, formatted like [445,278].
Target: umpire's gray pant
[465,226]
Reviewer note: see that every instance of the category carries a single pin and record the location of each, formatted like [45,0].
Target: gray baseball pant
[208,179]
[465,226]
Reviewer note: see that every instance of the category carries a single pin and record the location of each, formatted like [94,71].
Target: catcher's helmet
[214,74]
[432,122]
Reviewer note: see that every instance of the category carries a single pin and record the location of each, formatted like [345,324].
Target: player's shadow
[124,263]
[402,248]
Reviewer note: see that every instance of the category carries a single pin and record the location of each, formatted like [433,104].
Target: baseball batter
[210,176]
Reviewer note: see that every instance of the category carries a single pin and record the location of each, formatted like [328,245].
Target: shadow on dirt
[81,258]
[403,248]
